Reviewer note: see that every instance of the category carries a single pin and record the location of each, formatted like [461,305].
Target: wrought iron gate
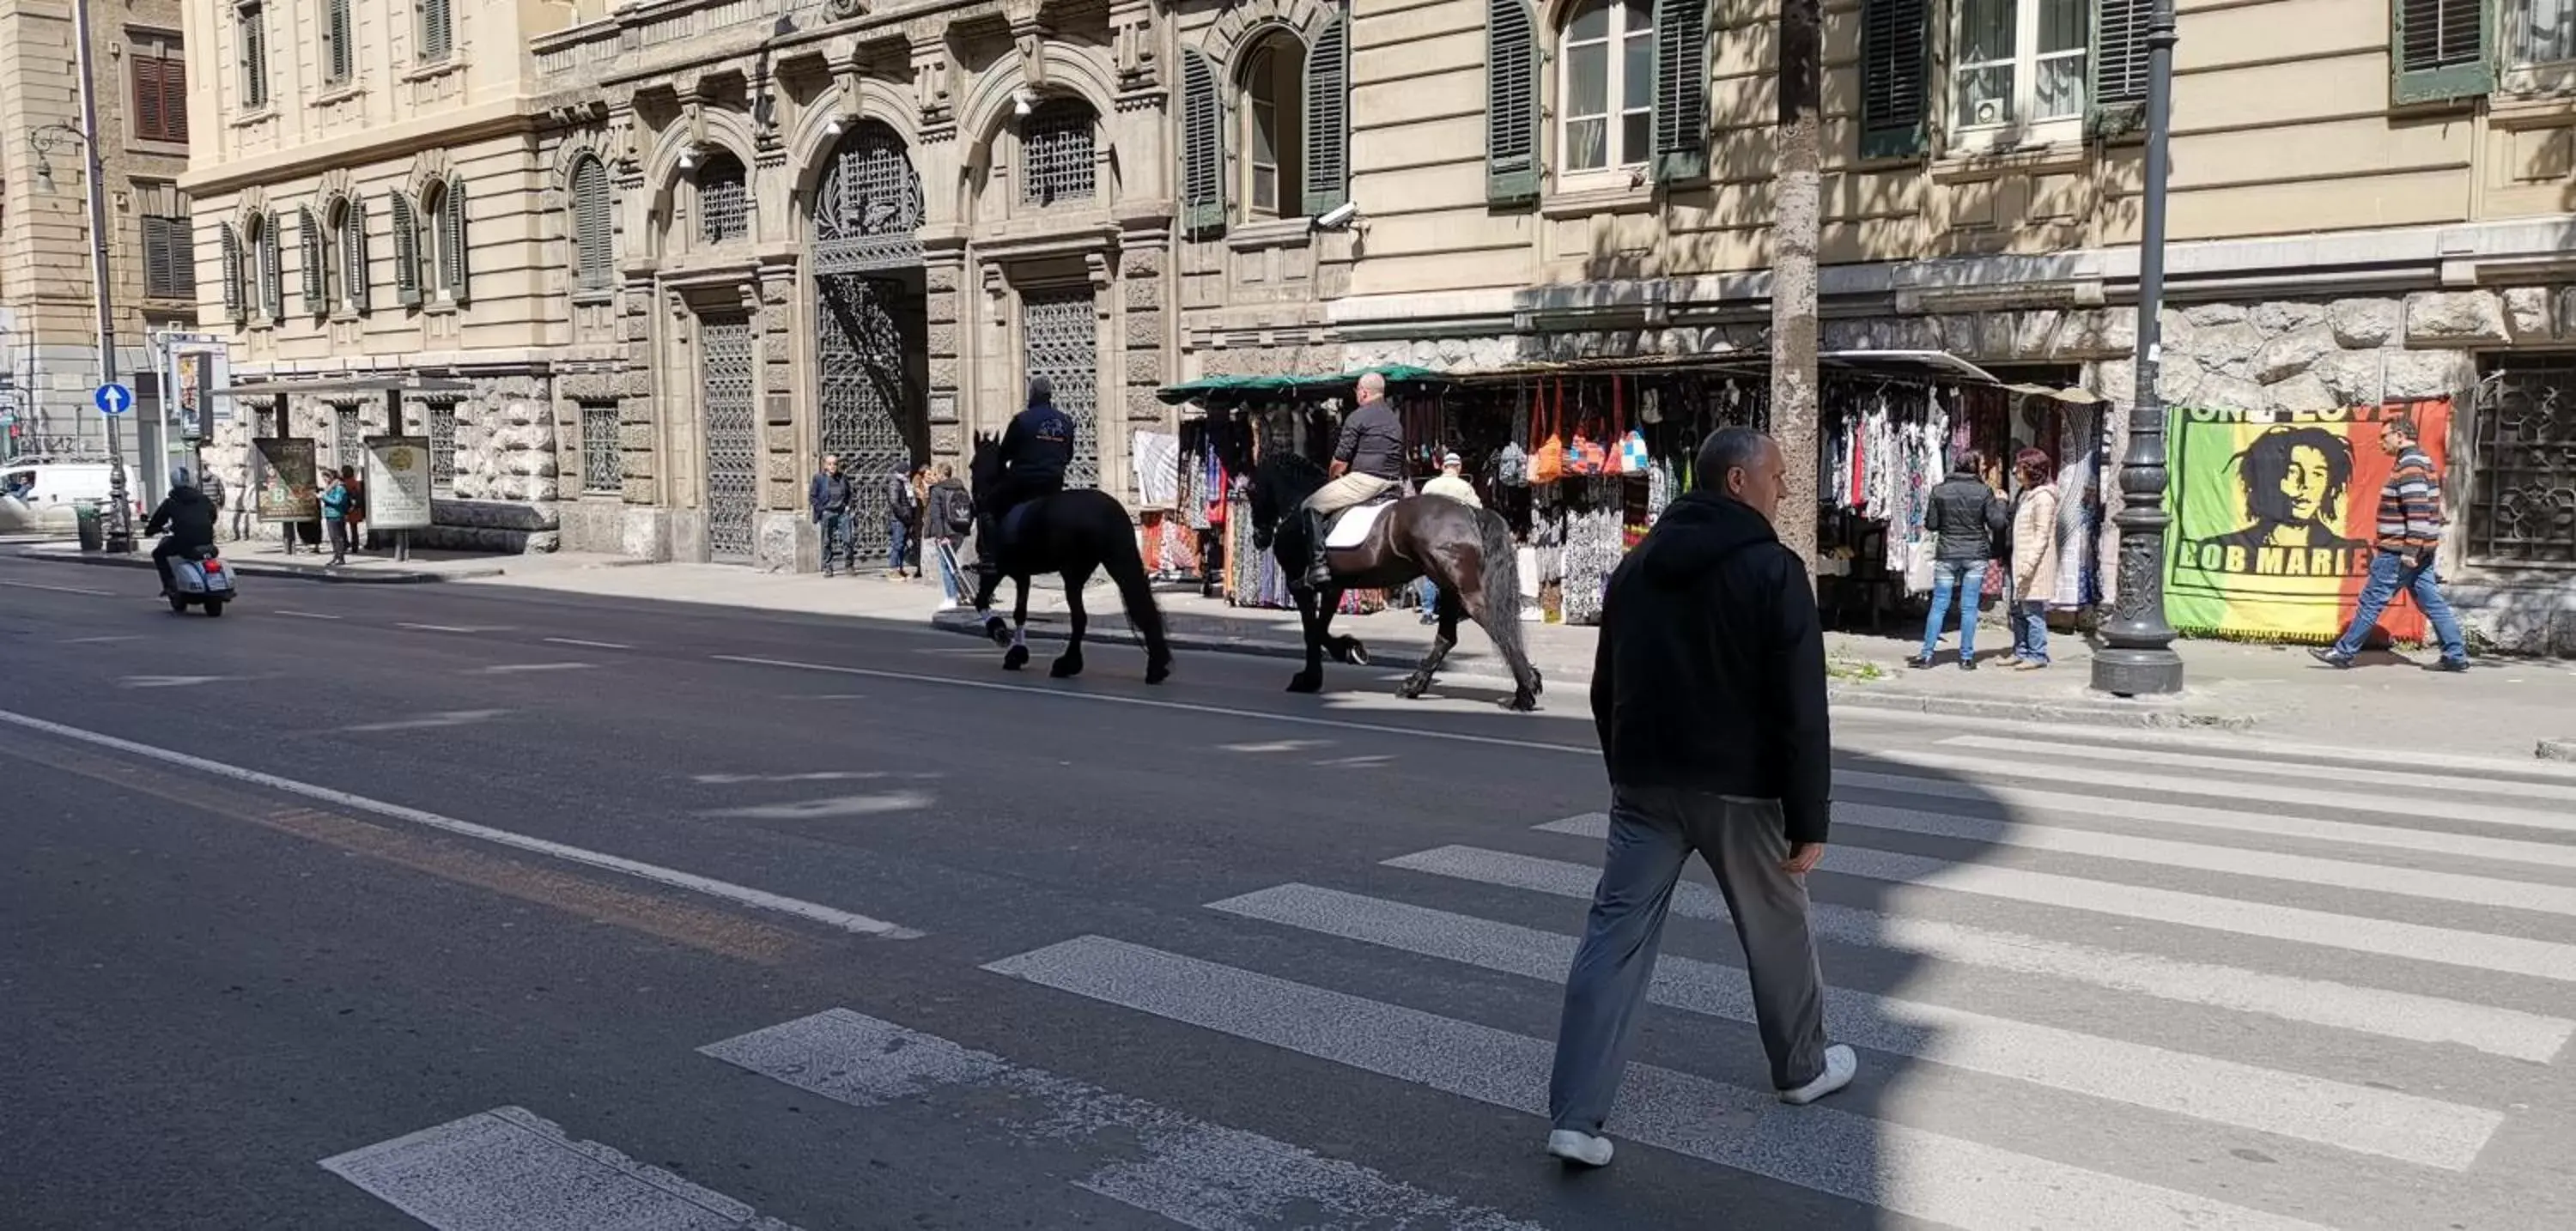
[733,436]
[867,214]
[1061,336]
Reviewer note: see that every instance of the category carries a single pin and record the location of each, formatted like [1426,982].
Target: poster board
[2275,516]
[398,482]
[286,479]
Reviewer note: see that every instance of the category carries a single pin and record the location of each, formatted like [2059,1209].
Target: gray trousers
[1652,835]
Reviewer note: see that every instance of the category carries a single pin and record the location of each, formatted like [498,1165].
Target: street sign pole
[120,517]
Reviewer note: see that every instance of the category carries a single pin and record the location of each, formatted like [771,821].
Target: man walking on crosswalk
[1708,693]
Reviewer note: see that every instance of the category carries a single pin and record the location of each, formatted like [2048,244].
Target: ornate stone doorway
[871,364]
[1060,340]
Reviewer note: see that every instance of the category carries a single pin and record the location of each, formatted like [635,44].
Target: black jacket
[1372,442]
[1966,514]
[188,515]
[952,511]
[1711,670]
[830,493]
[1039,443]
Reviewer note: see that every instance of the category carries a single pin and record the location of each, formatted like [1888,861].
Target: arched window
[1056,152]
[236,285]
[593,261]
[724,203]
[1273,137]
[1606,86]
[443,202]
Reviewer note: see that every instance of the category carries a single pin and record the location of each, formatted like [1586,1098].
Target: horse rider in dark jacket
[190,519]
[1036,451]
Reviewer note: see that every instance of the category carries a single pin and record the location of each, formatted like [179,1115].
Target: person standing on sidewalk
[903,511]
[950,519]
[1965,517]
[829,497]
[335,516]
[2410,532]
[1708,694]
[1450,484]
[2034,556]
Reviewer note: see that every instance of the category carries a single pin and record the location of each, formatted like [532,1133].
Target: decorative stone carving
[2363,322]
[2290,354]
[2454,318]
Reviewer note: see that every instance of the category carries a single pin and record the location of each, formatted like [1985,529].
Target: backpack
[961,511]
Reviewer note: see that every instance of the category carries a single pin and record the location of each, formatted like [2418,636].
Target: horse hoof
[1412,690]
[1538,683]
[1157,672]
[1065,669]
[997,630]
[1305,683]
[1522,702]
[1351,651]
[1016,659]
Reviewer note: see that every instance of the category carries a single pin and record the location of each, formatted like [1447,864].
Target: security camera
[1337,217]
[1023,101]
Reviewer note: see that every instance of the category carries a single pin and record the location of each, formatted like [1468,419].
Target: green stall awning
[1234,390]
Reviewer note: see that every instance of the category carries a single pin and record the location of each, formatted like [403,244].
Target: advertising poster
[2274,518]
[398,482]
[199,381]
[286,490]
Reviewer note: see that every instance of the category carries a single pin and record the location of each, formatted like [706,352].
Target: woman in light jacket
[2034,557]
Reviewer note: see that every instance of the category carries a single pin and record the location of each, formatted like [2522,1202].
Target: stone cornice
[385,144]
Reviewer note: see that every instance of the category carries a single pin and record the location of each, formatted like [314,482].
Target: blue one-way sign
[113,399]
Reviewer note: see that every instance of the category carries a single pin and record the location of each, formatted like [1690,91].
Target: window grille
[2522,497]
[724,205]
[603,469]
[442,447]
[1056,153]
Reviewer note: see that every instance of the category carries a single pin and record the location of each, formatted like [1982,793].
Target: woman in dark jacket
[1964,515]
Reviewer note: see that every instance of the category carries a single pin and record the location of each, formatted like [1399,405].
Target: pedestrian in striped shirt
[2410,530]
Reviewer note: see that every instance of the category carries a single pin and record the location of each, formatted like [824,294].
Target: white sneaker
[1584,1148]
[1840,1064]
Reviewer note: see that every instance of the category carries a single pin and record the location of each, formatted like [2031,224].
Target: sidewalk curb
[253,569]
[2139,715]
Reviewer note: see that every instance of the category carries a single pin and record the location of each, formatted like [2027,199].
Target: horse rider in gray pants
[1708,693]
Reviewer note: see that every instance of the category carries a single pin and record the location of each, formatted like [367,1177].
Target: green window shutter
[454,270]
[230,240]
[2443,50]
[2117,92]
[406,228]
[337,54]
[437,29]
[353,253]
[1681,90]
[183,255]
[157,279]
[1328,117]
[594,261]
[272,271]
[254,57]
[1202,149]
[308,244]
[1895,71]
[1511,103]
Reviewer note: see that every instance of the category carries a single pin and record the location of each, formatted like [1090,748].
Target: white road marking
[426,722]
[521,668]
[2512,955]
[2400,1015]
[1192,1172]
[38,585]
[168,681]
[2333,1113]
[823,809]
[455,628]
[2223,820]
[1910,1171]
[1183,707]
[595,645]
[507,1167]
[101,640]
[2238,790]
[2523,768]
[709,886]
[825,775]
[303,615]
[2442,786]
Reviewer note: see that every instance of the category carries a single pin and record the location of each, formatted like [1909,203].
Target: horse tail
[1124,561]
[1502,581]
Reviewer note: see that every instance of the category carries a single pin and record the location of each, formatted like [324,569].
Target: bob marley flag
[2274,516]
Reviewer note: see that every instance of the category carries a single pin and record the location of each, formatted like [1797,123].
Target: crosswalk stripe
[2515,955]
[507,1167]
[2381,1122]
[2561,820]
[2235,861]
[1910,1171]
[2099,807]
[1192,1172]
[2448,786]
[2401,1015]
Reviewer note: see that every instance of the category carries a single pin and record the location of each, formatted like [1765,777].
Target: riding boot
[1319,570]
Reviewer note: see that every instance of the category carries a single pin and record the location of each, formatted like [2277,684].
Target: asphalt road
[523,910]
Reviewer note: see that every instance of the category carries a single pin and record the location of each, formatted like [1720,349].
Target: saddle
[1350,528]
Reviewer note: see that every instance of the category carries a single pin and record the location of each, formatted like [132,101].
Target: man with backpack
[952,518]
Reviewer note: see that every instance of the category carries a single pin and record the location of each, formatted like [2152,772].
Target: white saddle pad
[1351,528]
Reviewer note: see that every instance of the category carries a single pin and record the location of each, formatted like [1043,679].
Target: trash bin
[93,531]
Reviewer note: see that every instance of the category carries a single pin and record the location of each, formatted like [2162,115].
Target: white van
[38,496]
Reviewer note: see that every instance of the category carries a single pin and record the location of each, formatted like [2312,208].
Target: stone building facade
[48,304]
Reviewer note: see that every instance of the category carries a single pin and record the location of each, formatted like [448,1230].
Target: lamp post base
[2137,673]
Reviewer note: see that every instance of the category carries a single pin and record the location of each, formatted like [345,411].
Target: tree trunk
[1797,195]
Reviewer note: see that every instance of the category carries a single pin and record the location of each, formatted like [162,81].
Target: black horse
[1069,533]
[1465,550]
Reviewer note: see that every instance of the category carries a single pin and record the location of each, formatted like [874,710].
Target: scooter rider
[189,517]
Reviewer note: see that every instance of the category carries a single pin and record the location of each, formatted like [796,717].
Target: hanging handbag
[1512,465]
[1547,461]
[1629,455]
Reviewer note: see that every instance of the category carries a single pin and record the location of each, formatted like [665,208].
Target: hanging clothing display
[1158,469]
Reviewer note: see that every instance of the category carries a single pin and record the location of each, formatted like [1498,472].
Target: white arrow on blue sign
[113,399]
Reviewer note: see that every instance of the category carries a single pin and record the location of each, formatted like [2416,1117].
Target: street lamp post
[2138,657]
[120,518]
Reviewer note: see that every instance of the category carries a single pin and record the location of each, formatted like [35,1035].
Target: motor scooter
[198,577]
